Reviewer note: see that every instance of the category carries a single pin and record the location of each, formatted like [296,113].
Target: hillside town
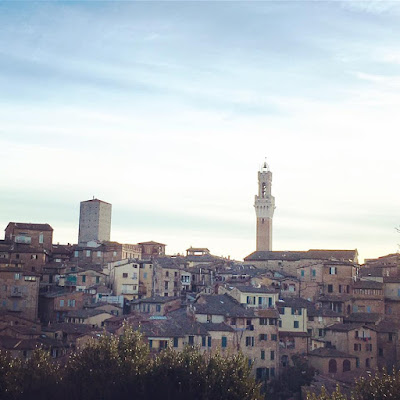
[342,317]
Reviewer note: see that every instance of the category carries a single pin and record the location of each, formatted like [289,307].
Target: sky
[167,110]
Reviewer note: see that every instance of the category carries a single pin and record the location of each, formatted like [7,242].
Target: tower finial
[265,166]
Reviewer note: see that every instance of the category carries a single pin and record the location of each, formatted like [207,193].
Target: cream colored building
[124,279]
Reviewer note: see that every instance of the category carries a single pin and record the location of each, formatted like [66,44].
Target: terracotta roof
[253,289]
[152,243]
[367,285]
[30,226]
[329,352]
[69,328]
[340,255]
[87,313]
[293,334]
[363,317]
[221,305]
[345,327]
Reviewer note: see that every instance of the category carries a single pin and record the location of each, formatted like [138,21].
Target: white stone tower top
[264,202]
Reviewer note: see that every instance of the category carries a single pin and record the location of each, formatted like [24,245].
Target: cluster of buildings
[342,317]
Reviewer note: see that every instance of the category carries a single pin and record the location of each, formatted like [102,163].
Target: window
[263,336]
[125,275]
[165,294]
[330,288]
[281,310]
[368,347]
[332,270]
[380,352]
[191,340]
[166,285]
[390,337]
[233,321]
[262,355]
[158,307]
[99,254]
[87,253]
[263,321]
[203,341]
[274,337]
[250,341]
[272,355]
[83,278]
[314,273]
[41,238]
[71,303]
[17,276]
[167,274]
[272,372]
[76,253]
[209,341]
[320,332]
[34,257]
[295,324]
[176,274]
[97,279]
[224,341]
[144,275]
[150,344]
[61,303]
[302,272]
[114,253]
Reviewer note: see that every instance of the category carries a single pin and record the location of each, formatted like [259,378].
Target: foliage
[113,367]
[381,386]
[290,380]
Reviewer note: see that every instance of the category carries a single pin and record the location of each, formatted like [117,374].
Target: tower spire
[264,205]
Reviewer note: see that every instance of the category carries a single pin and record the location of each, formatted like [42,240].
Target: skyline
[167,111]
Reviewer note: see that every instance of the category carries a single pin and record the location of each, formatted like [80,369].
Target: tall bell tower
[264,205]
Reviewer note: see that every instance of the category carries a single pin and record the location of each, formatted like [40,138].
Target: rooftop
[340,255]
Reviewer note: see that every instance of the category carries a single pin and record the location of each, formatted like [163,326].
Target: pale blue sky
[167,110]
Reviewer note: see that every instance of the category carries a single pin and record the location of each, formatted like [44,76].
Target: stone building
[19,292]
[94,221]
[36,235]
[357,340]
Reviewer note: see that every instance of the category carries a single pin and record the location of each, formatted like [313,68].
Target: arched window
[346,365]
[332,366]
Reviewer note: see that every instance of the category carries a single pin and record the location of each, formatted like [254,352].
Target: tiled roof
[342,255]
[253,289]
[87,313]
[363,317]
[221,327]
[152,243]
[221,305]
[176,326]
[329,352]
[293,334]
[69,328]
[29,226]
[295,302]
[367,285]
[344,327]
[155,300]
